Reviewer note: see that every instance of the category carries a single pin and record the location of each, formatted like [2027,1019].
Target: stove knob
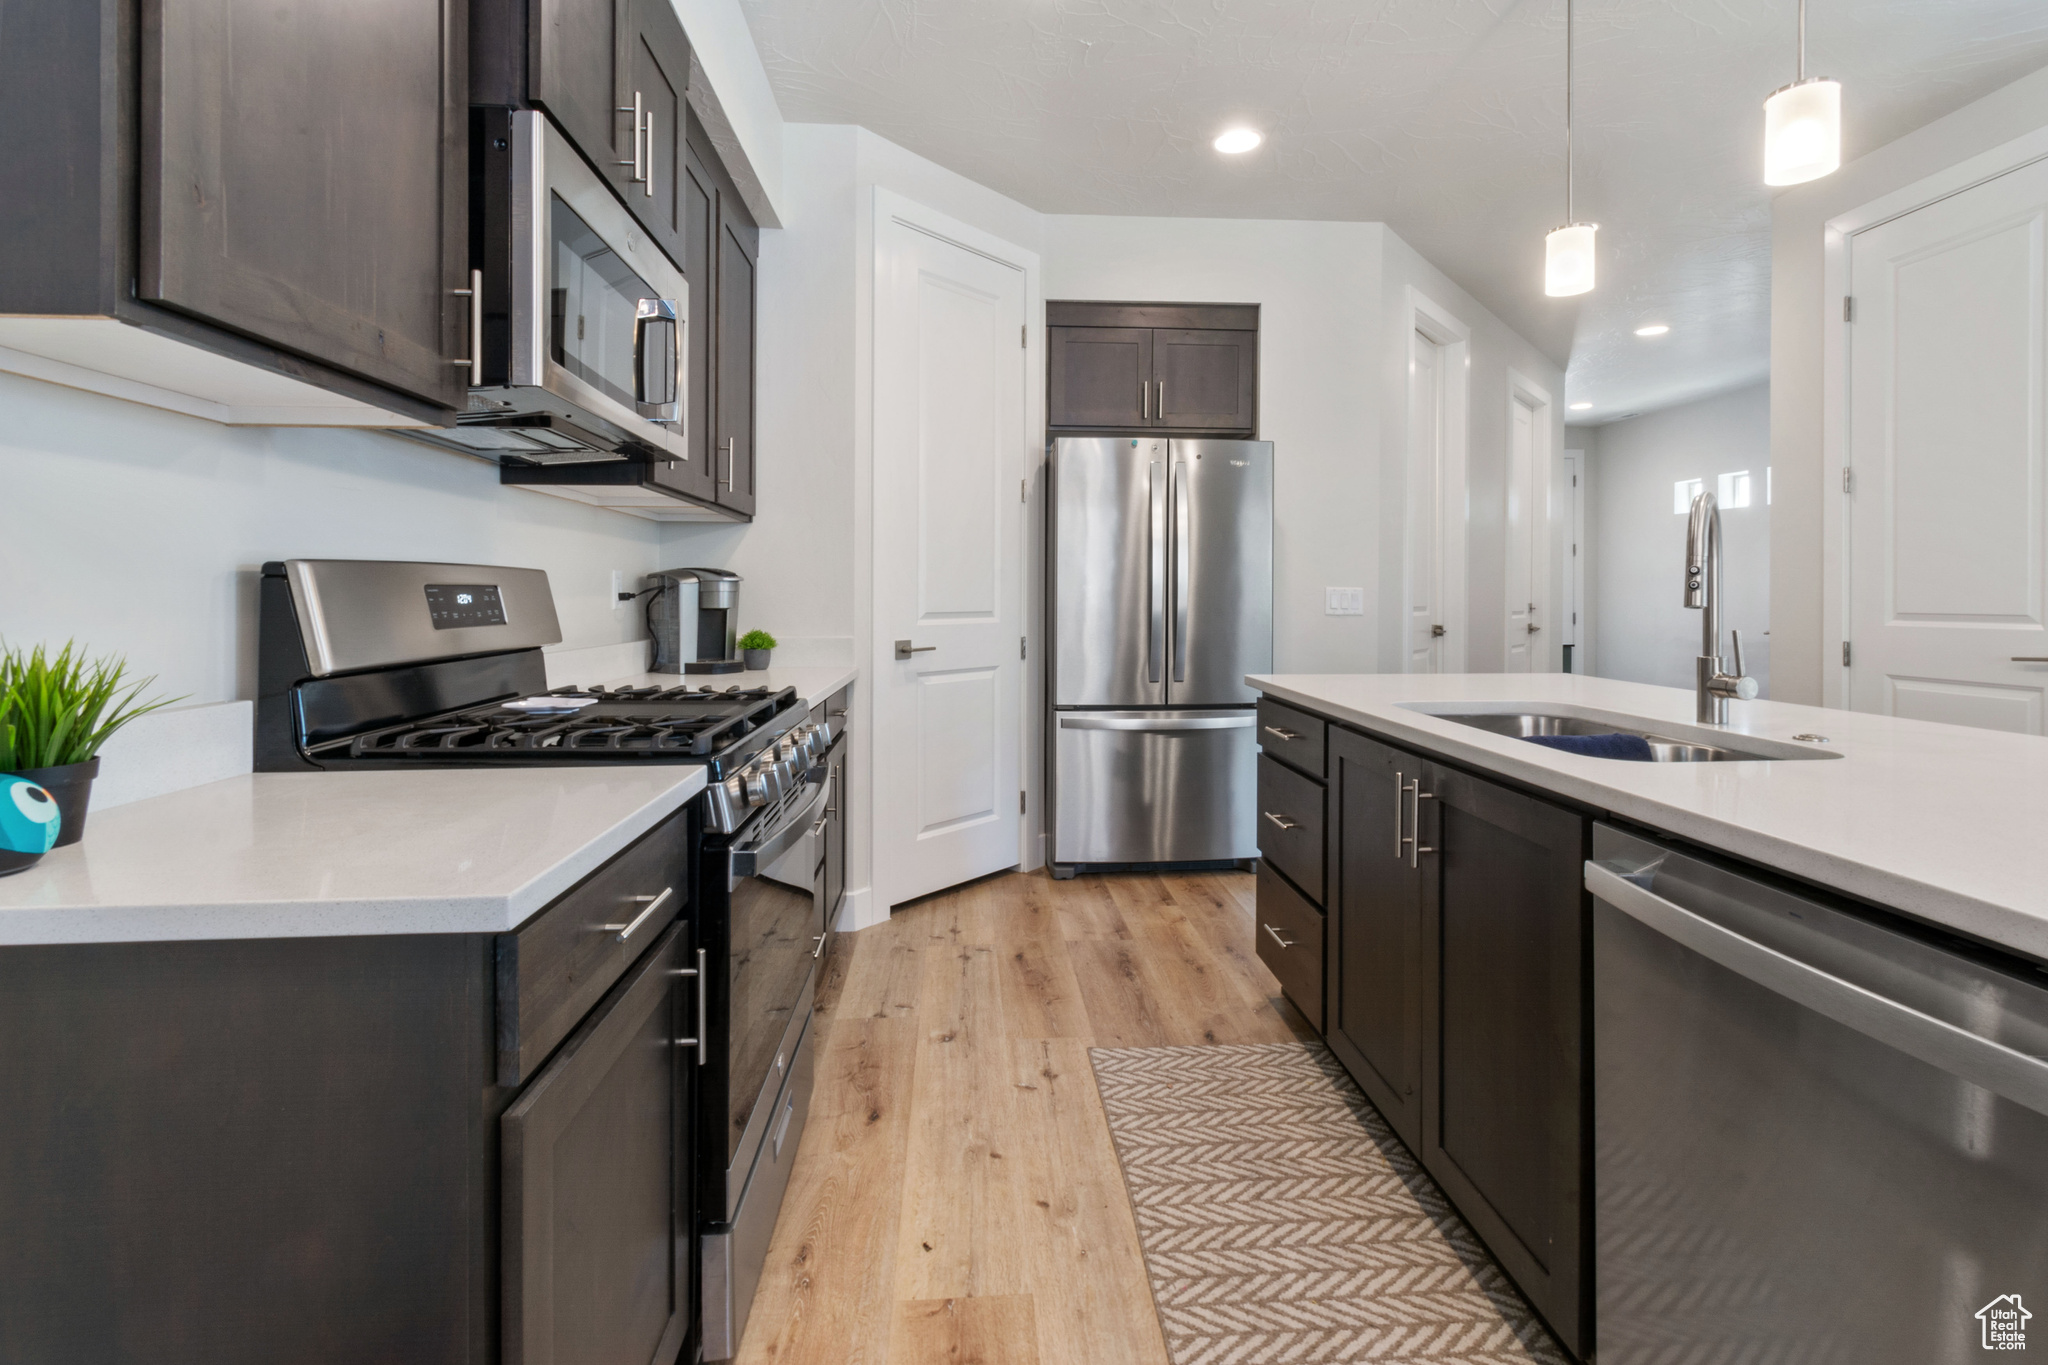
[756,784]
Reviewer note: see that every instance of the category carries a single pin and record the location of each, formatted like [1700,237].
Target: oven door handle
[748,861]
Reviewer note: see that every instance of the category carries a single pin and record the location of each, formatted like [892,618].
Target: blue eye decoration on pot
[28,823]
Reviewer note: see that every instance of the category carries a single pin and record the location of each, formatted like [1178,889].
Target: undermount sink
[1665,746]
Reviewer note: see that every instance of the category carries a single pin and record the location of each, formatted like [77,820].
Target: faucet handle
[1739,669]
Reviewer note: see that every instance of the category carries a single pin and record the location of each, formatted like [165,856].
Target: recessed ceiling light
[1655,329]
[1238,140]
[1580,407]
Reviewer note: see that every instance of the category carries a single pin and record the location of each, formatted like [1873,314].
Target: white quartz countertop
[813,685]
[1941,822]
[304,855]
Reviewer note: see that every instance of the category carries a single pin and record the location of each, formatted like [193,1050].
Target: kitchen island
[1774,1001]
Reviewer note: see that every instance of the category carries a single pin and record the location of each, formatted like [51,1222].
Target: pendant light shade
[1568,260]
[1802,125]
[1568,251]
[1803,132]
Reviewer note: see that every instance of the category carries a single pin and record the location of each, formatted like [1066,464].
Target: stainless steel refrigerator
[1161,561]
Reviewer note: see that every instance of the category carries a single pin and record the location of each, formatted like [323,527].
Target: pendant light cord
[1802,41]
[1568,218]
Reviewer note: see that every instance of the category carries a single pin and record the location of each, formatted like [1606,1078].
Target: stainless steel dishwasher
[1819,1137]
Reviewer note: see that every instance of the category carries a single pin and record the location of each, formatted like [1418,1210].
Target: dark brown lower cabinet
[1457,998]
[1375,879]
[1506,1101]
[594,1165]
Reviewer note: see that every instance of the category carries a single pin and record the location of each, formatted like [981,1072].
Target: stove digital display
[465,604]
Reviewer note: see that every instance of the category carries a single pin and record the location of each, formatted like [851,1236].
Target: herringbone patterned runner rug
[1282,1221]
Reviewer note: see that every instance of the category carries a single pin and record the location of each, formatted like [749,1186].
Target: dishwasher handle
[2005,1071]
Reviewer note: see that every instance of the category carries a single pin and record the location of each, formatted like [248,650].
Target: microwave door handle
[1155,649]
[1180,569]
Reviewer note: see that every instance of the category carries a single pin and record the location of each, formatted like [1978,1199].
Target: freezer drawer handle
[1278,733]
[1283,942]
[1282,821]
[1959,1052]
[1164,726]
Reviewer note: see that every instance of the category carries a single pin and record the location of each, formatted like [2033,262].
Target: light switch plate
[1343,601]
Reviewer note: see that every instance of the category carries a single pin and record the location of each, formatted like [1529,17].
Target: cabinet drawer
[1294,737]
[562,961]
[1291,825]
[1291,943]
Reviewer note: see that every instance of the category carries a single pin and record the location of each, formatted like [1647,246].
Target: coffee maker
[693,615]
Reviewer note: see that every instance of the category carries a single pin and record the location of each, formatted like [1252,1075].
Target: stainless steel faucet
[1703,594]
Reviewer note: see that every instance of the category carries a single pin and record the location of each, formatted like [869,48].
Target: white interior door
[1524,507]
[1425,504]
[950,381]
[1947,369]
[1574,571]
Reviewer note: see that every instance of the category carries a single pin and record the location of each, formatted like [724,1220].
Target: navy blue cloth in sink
[1633,747]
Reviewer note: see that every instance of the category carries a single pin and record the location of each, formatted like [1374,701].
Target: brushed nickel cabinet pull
[1282,821]
[1400,790]
[654,903]
[641,122]
[1283,942]
[1416,848]
[1287,735]
[702,1032]
[474,361]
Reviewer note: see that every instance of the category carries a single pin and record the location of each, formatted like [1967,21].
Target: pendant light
[1802,125]
[1568,251]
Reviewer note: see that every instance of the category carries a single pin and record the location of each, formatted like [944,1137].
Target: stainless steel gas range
[385,666]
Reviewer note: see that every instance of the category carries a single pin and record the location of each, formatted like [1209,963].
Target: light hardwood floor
[956,1199]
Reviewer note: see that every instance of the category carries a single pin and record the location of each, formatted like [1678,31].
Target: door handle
[1416,848]
[1180,554]
[474,361]
[1400,790]
[639,120]
[904,649]
[1282,821]
[819,950]
[1155,649]
[1436,630]
[1162,400]
[1145,401]
[1283,942]
[731,463]
[1534,628]
[702,1032]
[654,903]
[647,134]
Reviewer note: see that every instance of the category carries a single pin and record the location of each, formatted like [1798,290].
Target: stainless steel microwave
[578,336]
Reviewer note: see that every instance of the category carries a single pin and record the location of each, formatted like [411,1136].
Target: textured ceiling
[1444,118]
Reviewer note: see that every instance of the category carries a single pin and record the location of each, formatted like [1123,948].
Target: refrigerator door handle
[1180,570]
[1158,724]
[1155,650]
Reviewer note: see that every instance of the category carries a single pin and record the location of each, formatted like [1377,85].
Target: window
[1683,492]
[1734,490]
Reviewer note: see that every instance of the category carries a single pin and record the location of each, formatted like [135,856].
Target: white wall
[1645,632]
[724,47]
[142,532]
[1318,285]
[1800,318]
[807,558]
[1495,349]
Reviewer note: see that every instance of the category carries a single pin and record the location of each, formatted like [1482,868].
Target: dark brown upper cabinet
[1152,366]
[613,75]
[721,246]
[285,186]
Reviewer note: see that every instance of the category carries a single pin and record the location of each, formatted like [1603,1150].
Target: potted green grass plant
[56,712]
[754,647]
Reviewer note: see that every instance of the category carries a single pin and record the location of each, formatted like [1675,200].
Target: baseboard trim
[858,911]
